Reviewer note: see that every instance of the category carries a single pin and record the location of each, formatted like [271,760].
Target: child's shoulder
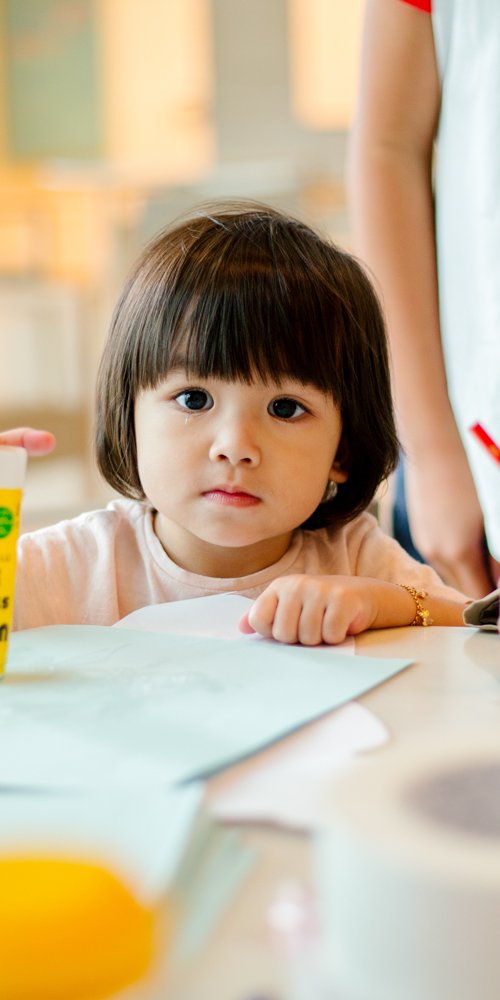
[336,548]
[348,533]
[97,523]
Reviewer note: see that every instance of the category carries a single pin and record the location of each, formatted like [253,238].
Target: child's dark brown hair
[241,292]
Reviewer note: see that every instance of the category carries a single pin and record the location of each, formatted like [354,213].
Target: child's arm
[36,442]
[392,215]
[315,609]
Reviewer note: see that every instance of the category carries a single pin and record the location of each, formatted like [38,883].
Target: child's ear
[338,474]
[340,466]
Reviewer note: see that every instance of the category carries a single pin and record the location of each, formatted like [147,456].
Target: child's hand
[36,442]
[314,609]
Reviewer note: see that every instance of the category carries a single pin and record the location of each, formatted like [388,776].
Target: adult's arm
[392,213]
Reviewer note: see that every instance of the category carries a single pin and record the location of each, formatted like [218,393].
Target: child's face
[233,469]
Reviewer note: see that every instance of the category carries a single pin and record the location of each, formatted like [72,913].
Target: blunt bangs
[247,301]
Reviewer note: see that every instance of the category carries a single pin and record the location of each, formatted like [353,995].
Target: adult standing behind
[418,229]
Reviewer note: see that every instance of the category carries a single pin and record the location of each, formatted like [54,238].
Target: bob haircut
[240,292]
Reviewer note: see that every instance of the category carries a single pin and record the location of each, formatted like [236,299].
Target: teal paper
[90,705]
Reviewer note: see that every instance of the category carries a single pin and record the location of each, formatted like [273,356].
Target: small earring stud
[330,491]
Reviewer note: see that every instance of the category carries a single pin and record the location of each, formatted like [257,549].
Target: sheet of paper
[284,784]
[287,783]
[87,706]
[216,617]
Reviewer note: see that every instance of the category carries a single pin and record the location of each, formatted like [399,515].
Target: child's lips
[229,497]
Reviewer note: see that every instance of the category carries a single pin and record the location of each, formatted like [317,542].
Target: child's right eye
[194,399]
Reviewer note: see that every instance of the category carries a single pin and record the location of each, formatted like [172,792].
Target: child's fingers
[310,624]
[301,608]
[286,617]
[309,610]
[36,442]
[244,625]
[325,617]
[262,613]
[335,625]
[347,614]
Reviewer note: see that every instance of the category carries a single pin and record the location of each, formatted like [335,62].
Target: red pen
[487,441]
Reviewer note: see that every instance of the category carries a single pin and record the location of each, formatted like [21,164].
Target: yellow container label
[10,509]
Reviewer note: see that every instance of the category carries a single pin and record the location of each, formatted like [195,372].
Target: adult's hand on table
[446,520]
[36,442]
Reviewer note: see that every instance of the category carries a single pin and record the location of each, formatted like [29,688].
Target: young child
[244,412]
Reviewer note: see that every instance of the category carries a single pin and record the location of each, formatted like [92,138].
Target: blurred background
[115,117]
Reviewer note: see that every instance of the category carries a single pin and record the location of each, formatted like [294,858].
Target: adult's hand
[36,442]
[446,520]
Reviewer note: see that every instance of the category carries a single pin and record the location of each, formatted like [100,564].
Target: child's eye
[286,408]
[194,399]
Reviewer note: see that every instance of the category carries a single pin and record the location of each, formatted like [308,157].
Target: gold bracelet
[422,616]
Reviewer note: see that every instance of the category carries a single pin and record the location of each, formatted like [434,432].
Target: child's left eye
[286,408]
[194,399]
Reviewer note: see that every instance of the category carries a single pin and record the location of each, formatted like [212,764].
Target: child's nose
[234,444]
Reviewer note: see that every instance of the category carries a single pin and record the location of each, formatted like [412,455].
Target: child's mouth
[231,498]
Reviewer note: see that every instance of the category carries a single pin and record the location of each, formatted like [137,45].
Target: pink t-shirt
[101,566]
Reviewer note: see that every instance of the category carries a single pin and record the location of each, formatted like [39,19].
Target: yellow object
[69,930]
[12,467]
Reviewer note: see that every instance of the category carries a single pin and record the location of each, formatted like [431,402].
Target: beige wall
[157,76]
[324,50]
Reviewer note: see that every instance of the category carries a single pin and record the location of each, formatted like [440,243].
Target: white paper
[287,783]
[216,616]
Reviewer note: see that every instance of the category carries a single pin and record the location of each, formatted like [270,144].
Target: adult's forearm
[392,210]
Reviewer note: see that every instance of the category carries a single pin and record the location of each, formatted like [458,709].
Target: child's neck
[221,562]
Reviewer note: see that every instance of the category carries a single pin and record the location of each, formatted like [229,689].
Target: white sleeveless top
[467,36]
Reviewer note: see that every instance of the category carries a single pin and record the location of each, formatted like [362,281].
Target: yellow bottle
[12,471]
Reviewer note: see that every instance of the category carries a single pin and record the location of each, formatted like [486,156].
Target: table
[452,685]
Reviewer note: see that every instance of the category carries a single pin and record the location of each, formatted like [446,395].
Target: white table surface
[453,685]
